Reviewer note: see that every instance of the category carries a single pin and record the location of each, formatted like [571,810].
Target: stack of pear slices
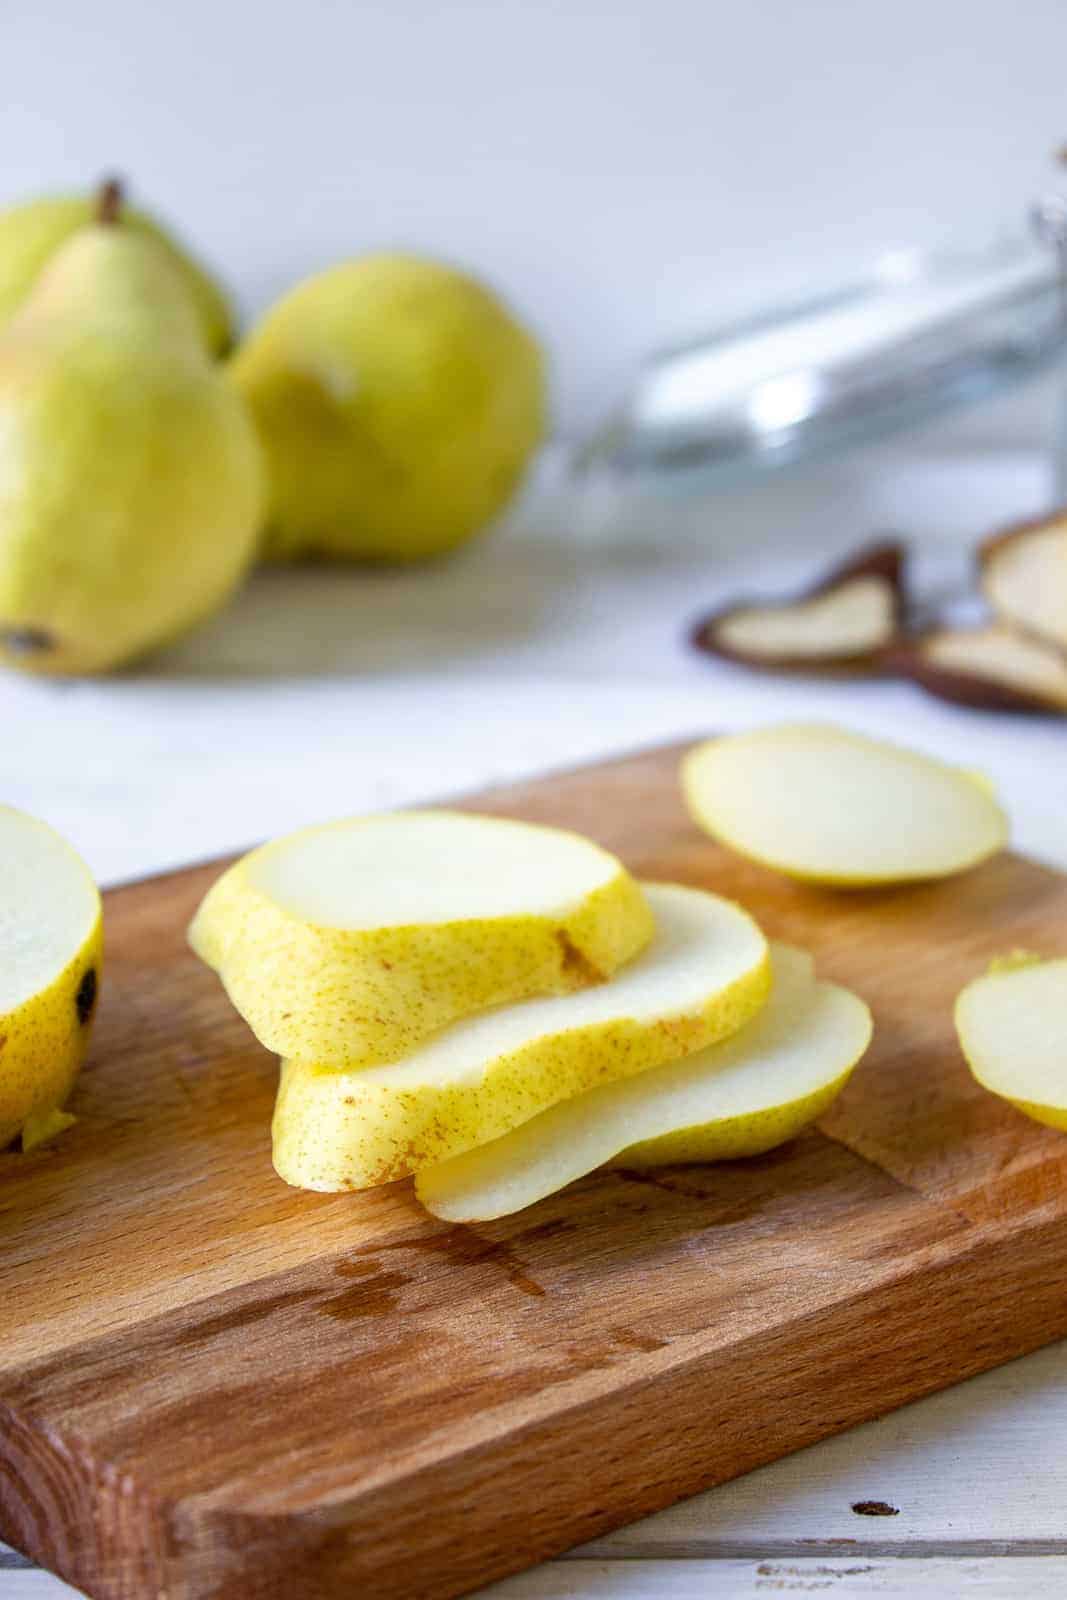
[498,1008]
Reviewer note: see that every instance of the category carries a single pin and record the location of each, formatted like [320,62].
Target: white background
[625,169]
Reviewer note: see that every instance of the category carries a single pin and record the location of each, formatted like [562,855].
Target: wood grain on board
[212,1385]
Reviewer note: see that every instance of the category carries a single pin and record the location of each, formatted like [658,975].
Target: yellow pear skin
[398,402]
[46,1042]
[51,950]
[737,1137]
[705,974]
[131,484]
[32,233]
[327,984]
[741,1096]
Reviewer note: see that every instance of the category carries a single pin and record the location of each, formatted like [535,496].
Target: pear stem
[109,200]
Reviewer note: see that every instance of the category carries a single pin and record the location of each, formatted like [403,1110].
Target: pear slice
[845,623]
[1023,574]
[993,668]
[704,974]
[737,1098]
[1012,1027]
[50,951]
[351,943]
[828,806]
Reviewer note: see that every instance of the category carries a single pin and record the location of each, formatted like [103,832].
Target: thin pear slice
[829,806]
[992,667]
[704,975]
[1012,1027]
[845,623]
[738,1098]
[1023,572]
[50,952]
[352,943]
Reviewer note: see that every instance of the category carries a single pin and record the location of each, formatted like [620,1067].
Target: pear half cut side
[50,953]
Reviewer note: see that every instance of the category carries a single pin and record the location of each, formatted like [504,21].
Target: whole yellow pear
[398,402]
[31,233]
[130,475]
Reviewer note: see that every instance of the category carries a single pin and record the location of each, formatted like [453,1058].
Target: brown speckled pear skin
[705,973]
[356,996]
[739,1097]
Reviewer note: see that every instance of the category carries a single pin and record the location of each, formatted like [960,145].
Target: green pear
[130,474]
[31,233]
[398,402]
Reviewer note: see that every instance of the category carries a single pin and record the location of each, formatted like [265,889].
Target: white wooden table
[323,693]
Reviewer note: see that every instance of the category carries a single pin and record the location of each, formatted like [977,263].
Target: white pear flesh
[50,953]
[1012,1027]
[353,942]
[994,666]
[1024,578]
[854,619]
[828,806]
[705,973]
[738,1098]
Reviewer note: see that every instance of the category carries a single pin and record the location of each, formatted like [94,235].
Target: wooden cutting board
[213,1385]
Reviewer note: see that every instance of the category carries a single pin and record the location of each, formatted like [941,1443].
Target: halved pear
[823,804]
[50,952]
[1012,1027]
[353,942]
[737,1098]
[704,974]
